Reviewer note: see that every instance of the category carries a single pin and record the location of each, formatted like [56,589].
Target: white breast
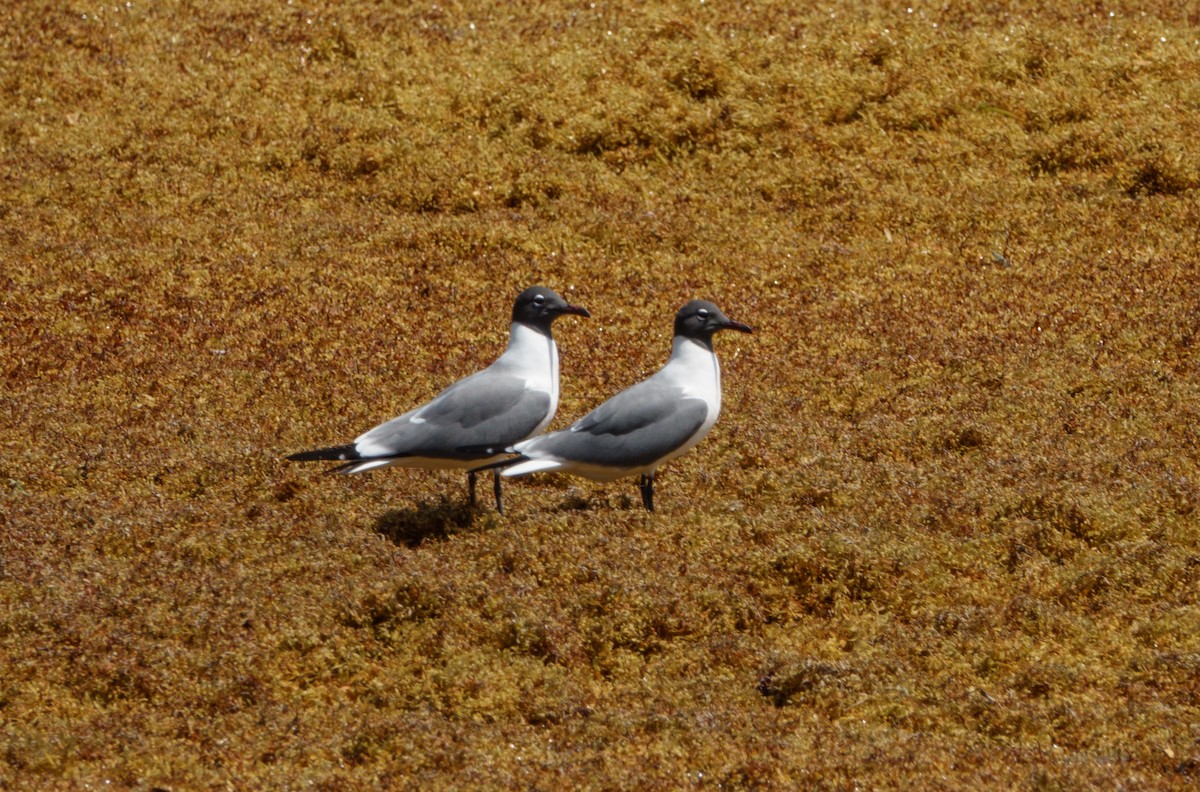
[694,368]
[533,356]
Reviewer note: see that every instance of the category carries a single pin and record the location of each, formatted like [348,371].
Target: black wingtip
[342,453]
[503,463]
[482,451]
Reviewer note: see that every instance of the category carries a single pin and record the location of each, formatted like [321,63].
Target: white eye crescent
[539,300]
[702,313]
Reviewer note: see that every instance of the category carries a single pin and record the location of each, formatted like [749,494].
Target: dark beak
[729,324]
[578,310]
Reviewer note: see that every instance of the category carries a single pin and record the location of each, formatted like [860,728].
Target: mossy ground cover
[944,535]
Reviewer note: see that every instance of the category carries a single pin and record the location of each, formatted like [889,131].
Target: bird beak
[729,324]
[578,310]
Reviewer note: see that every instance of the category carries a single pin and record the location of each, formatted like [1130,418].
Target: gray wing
[485,409]
[634,428]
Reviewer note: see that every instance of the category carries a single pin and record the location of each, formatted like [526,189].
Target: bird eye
[702,313]
[539,300]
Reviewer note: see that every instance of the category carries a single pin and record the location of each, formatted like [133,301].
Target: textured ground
[944,535]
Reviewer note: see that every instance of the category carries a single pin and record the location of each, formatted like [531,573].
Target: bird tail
[342,453]
[353,462]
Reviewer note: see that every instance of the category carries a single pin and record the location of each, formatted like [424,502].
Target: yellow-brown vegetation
[944,535]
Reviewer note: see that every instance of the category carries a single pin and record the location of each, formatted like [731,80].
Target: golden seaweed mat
[944,534]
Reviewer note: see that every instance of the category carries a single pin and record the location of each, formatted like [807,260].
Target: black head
[538,307]
[699,319]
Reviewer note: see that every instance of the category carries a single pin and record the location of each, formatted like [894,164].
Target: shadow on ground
[427,521]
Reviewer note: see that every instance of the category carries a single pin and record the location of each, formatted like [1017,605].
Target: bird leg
[496,489]
[647,487]
[471,486]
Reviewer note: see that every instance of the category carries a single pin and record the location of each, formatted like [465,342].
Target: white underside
[593,472]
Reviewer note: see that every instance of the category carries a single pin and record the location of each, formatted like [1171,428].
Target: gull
[644,426]
[513,399]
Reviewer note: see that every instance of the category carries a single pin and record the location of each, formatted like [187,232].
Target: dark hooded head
[538,307]
[699,319]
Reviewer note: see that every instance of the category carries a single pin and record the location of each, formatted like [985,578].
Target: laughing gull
[509,401]
[646,425]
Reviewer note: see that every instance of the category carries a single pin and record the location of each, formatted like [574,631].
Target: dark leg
[496,489]
[471,486]
[647,487]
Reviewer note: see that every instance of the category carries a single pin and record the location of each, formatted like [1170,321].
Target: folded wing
[634,428]
[475,412]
